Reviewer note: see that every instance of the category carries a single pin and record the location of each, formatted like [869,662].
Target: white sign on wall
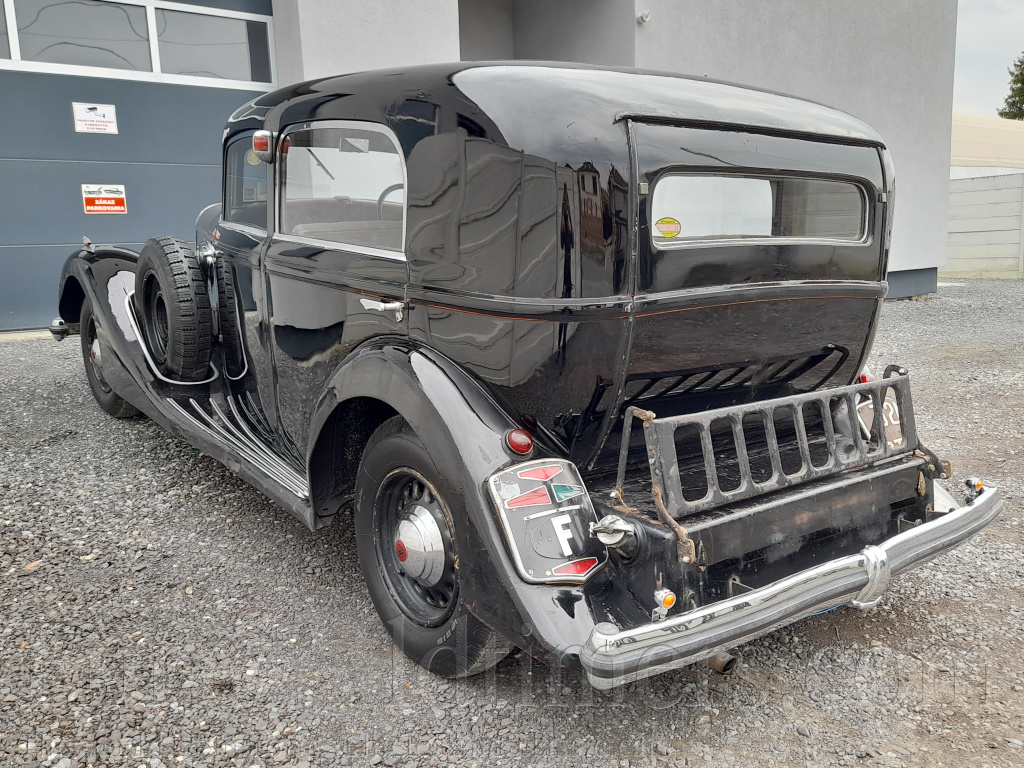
[94,118]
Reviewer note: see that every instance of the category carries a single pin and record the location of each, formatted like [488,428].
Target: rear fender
[464,431]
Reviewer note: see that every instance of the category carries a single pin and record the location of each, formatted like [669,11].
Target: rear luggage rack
[833,451]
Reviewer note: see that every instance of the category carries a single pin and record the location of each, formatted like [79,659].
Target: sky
[989,37]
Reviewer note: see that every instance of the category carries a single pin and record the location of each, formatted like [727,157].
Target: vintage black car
[582,349]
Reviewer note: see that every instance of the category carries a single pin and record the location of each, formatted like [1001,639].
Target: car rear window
[693,207]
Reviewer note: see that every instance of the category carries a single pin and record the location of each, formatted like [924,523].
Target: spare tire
[230,330]
[174,309]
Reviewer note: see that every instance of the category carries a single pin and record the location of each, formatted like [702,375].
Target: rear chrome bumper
[614,657]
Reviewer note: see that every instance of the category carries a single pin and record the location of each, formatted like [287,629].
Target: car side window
[344,184]
[245,185]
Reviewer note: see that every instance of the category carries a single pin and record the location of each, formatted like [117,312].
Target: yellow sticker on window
[668,227]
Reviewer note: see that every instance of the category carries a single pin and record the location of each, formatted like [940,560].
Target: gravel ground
[156,611]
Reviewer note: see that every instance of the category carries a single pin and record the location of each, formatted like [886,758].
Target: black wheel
[409,556]
[230,330]
[174,309]
[107,398]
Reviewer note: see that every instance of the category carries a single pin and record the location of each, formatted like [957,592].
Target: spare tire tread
[230,332]
[188,305]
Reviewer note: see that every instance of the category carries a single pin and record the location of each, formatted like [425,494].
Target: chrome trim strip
[255,452]
[335,245]
[613,657]
[130,308]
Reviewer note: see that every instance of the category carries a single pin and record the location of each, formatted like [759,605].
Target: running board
[232,428]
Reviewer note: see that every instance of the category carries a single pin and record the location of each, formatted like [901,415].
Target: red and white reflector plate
[546,513]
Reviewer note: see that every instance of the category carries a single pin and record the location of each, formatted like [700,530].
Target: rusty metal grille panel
[845,449]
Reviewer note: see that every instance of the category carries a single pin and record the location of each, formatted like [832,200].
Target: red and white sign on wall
[104,198]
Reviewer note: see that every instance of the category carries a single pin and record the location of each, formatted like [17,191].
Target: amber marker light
[519,441]
[665,598]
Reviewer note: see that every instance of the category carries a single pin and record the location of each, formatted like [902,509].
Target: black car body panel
[532,290]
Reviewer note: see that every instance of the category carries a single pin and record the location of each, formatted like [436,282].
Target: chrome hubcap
[415,548]
[419,546]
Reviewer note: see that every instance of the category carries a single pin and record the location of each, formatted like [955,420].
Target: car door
[239,237]
[335,267]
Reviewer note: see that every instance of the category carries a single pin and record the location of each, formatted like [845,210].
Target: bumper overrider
[613,656]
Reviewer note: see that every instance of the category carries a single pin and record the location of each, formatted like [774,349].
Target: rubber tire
[168,265]
[106,397]
[460,647]
[230,332]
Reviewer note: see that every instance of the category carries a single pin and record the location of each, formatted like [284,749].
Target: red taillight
[519,441]
[261,142]
[576,567]
[865,376]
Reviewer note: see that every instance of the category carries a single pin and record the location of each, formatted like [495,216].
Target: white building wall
[319,38]
[888,62]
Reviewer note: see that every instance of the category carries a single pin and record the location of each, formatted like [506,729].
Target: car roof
[521,98]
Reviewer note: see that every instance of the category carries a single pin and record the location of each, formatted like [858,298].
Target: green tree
[1013,107]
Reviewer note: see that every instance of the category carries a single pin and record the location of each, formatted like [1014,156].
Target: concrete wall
[589,31]
[319,38]
[986,227]
[889,62]
[485,29]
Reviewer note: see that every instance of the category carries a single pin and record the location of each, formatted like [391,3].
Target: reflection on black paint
[519,193]
[568,243]
[413,120]
[567,600]
[304,343]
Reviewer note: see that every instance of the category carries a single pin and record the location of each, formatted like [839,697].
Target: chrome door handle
[398,307]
